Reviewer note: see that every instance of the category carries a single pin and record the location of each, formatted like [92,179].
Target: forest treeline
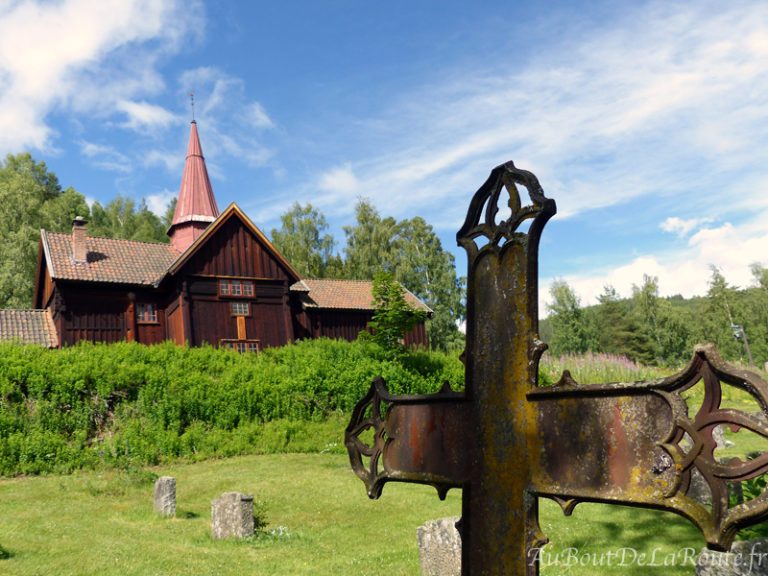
[409,250]
[662,331]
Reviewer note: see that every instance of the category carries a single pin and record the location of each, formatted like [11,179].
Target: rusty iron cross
[507,441]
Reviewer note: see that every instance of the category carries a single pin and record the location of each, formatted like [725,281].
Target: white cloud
[172,161]
[686,271]
[682,227]
[158,202]
[226,119]
[257,116]
[143,116]
[105,157]
[82,54]
[340,181]
[601,112]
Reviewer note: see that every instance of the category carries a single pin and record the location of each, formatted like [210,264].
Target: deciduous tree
[412,253]
[303,241]
[394,317]
[422,266]
[569,334]
[369,243]
[122,218]
[31,199]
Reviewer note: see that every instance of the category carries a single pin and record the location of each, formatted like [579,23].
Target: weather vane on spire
[192,104]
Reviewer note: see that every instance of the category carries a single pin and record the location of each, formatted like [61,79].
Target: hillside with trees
[662,331]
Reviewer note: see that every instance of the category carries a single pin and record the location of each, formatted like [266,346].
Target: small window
[146,312]
[228,287]
[241,346]
[241,309]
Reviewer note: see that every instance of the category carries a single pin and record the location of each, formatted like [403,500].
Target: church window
[146,312]
[240,308]
[229,287]
[241,346]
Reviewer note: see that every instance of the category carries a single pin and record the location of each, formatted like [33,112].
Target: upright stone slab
[439,547]
[232,516]
[747,558]
[165,496]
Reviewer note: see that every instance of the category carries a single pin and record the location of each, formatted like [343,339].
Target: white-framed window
[241,346]
[241,308]
[230,287]
[146,312]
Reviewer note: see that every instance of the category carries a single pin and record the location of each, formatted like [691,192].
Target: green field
[319,522]
[100,519]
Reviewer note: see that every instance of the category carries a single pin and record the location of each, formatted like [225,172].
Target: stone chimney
[79,234]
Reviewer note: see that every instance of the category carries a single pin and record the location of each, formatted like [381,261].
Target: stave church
[219,281]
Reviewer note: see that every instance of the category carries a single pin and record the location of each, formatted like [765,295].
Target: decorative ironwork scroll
[506,441]
[636,444]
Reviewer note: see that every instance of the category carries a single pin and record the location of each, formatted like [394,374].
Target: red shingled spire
[196,206]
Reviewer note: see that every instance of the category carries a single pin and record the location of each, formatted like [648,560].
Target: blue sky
[647,122]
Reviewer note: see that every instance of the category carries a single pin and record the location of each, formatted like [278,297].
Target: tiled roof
[110,260]
[344,294]
[28,326]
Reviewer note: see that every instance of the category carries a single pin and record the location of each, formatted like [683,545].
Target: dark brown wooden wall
[174,322]
[152,333]
[100,314]
[347,324]
[235,251]
[212,319]
[417,337]
[93,315]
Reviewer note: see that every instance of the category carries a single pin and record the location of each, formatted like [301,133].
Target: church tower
[196,206]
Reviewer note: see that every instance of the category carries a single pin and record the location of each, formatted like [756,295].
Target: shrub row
[118,404]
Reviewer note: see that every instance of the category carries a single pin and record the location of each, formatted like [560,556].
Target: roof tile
[111,260]
[28,326]
[344,294]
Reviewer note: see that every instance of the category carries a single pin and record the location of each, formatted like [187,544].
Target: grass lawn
[324,523]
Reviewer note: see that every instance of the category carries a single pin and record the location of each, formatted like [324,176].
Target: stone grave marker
[232,516]
[165,496]
[746,558]
[439,547]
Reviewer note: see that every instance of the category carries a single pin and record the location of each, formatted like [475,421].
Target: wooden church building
[219,281]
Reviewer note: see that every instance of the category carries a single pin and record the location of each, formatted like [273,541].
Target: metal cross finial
[506,441]
[192,104]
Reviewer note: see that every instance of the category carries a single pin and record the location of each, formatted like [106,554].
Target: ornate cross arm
[636,444]
[419,439]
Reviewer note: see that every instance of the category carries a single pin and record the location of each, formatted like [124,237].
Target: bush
[127,404]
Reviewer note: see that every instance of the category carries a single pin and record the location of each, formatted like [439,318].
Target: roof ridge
[339,280]
[158,243]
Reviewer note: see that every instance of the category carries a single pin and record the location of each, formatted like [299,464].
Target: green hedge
[118,404]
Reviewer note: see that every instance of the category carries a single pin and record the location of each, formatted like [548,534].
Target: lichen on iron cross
[506,441]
